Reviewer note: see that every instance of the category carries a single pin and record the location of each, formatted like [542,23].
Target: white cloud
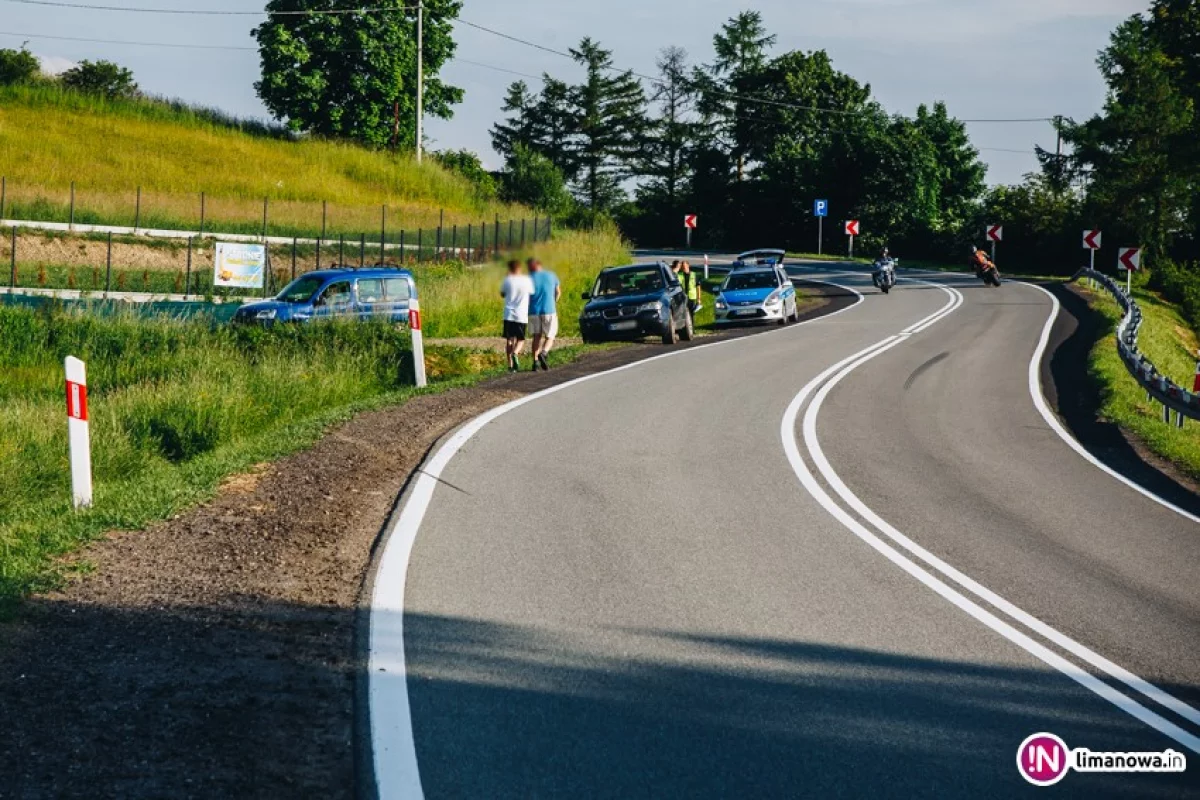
[55,65]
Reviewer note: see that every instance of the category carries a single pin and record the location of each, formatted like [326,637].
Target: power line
[208,11]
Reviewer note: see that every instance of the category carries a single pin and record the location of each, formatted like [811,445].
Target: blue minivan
[343,293]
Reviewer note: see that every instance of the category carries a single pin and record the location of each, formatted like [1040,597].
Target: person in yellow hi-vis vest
[691,286]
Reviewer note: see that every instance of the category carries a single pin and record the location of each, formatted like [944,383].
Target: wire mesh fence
[108,263]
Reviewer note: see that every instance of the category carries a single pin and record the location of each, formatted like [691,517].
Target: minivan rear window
[398,289]
[370,290]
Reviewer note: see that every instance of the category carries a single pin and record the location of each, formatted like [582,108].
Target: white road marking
[397,774]
[1089,681]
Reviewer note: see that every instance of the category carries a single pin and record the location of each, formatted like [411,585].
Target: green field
[50,137]
[1167,341]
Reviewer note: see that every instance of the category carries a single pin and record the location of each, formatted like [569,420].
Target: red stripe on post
[414,320]
[77,401]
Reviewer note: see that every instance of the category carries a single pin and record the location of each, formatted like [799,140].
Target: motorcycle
[988,274]
[884,276]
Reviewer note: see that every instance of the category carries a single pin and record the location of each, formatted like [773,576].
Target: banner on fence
[242,266]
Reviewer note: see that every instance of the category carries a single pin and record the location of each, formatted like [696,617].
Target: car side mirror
[586,295]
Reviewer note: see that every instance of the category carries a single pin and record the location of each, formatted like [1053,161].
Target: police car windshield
[300,290]
[759,279]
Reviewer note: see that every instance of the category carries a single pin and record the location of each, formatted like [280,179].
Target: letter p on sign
[77,433]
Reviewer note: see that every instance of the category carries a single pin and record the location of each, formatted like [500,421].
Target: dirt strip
[214,654]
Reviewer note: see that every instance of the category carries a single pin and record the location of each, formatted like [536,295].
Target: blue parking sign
[821,208]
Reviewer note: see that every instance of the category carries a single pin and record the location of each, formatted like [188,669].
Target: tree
[532,180]
[1137,154]
[17,66]
[100,77]
[354,75]
[664,156]
[609,114]
[543,122]
[470,166]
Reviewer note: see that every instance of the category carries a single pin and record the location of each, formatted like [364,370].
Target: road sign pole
[993,251]
[1129,283]
[1092,267]
[820,233]
[77,433]
[689,238]
[852,247]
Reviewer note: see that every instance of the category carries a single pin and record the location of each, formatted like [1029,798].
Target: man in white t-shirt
[516,291]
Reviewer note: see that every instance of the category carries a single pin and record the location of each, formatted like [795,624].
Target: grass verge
[1166,340]
[175,408]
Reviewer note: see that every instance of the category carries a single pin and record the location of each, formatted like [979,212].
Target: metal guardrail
[1159,387]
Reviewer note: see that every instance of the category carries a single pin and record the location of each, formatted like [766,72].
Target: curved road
[846,558]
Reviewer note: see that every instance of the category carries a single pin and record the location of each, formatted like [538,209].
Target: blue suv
[344,293]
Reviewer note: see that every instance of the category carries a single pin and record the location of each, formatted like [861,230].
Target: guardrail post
[1166,414]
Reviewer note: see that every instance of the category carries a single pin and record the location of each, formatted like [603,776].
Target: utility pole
[420,77]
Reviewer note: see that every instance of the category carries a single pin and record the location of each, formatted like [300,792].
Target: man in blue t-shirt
[543,311]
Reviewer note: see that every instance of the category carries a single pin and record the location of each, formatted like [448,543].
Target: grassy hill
[50,138]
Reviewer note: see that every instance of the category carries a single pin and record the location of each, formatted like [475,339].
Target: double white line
[944,579]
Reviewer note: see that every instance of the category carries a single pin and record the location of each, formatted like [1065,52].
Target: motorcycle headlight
[266,314]
[655,306]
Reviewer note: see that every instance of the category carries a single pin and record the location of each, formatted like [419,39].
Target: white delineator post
[418,342]
[77,433]
[706,266]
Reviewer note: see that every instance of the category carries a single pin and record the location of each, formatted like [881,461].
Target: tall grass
[466,302]
[175,406]
[50,137]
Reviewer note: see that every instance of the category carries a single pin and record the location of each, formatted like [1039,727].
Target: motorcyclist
[979,260]
[883,263]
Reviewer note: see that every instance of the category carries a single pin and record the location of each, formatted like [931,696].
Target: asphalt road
[734,573]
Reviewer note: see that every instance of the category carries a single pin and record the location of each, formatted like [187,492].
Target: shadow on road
[524,711]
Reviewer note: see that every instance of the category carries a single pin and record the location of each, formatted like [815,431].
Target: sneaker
[513,366]
[542,360]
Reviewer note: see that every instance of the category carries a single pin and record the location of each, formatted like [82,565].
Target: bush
[469,166]
[101,77]
[17,66]
[531,179]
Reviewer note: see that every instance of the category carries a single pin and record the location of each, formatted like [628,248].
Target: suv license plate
[746,312]
[627,325]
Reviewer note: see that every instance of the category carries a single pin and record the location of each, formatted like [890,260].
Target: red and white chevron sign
[1091,240]
[852,227]
[995,233]
[1130,258]
[689,221]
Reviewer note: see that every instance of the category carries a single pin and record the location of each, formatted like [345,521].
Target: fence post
[362,250]
[295,242]
[202,215]
[402,247]
[12,278]
[318,262]
[510,234]
[420,242]
[264,233]
[71,219]
[3,193]
[454,241]
[187,280]
[522,231]
[108,268]
[341,249]
[549,228]
[137,211]
[383,234]
[324,214]
[441,222]
[496,236]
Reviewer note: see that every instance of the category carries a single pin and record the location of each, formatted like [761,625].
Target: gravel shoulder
[214,654]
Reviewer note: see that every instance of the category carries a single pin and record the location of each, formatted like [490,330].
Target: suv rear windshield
[759,279]
[628,281]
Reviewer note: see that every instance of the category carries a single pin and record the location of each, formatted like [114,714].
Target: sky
[987,59]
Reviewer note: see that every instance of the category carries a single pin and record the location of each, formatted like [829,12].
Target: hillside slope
[50,138]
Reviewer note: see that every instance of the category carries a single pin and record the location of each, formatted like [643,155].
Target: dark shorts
[514,330]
